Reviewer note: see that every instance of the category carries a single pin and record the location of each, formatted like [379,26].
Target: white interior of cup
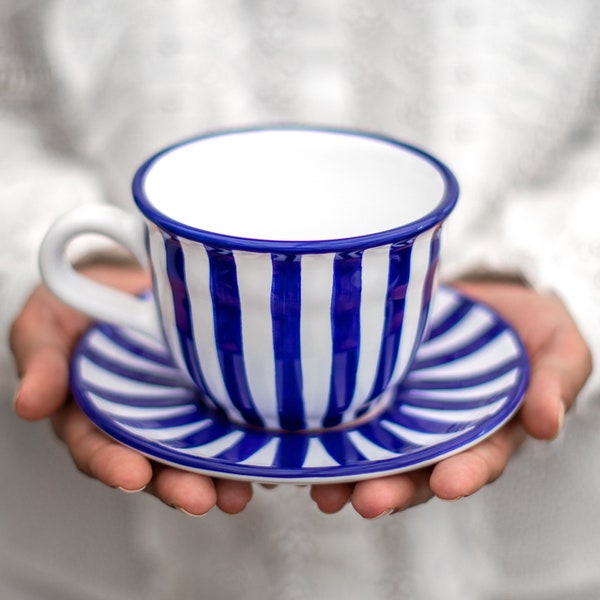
[292,184]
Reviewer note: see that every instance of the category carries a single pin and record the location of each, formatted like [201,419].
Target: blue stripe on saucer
[424,423]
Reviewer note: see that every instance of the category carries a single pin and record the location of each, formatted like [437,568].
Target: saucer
[468,378]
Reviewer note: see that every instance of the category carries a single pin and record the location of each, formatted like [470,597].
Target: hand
[560,365]
[42,338]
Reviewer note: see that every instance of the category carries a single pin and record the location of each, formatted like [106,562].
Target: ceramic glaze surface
[290,341]
[291,184]
[467,379]
[278,328]
[293,267]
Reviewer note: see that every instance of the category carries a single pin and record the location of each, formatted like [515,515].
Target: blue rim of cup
[380,238]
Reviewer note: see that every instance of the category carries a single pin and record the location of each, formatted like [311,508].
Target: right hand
[43,337]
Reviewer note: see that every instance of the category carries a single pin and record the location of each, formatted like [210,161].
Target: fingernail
[385,513]
[268,486]
[188,513]
[450,500]
[16,400]
[131,491]
[560,418]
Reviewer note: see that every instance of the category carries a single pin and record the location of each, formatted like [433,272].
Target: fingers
[101,458]
[559,356]
[560,364]
[195,494]
[232,496]
[451,479]
[191,493]
[545,404]
[42,339]
[98,456]
[119,467]
[559,369]
[44,383]
[376,498]
[331,498]
[465,473]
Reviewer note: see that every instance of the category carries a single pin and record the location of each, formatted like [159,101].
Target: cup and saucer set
[296,332]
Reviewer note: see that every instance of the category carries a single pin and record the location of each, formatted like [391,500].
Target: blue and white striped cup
[293,267]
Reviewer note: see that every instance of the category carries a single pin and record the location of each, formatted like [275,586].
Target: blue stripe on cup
[345,332]
[228,332]
[286,315]
[175,267]
[217,321]
[398,276]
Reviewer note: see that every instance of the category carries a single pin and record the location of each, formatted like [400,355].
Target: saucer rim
[226,469]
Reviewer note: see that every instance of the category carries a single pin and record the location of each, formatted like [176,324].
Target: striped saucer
[468,378]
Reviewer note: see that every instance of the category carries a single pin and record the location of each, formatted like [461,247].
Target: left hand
[560,365]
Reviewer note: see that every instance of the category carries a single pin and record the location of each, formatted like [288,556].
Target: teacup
[293,267]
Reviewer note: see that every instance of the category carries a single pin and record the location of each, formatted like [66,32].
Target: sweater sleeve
[524,143]
[36,187]
[552,230]
[42,174]
[547,230]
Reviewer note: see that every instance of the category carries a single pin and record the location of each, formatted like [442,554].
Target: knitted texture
[506,93]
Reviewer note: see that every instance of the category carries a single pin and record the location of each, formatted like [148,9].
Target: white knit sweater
[506,93]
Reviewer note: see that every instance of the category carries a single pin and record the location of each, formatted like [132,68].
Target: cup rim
[379,238]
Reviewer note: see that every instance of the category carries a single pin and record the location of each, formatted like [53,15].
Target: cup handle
[82,293]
